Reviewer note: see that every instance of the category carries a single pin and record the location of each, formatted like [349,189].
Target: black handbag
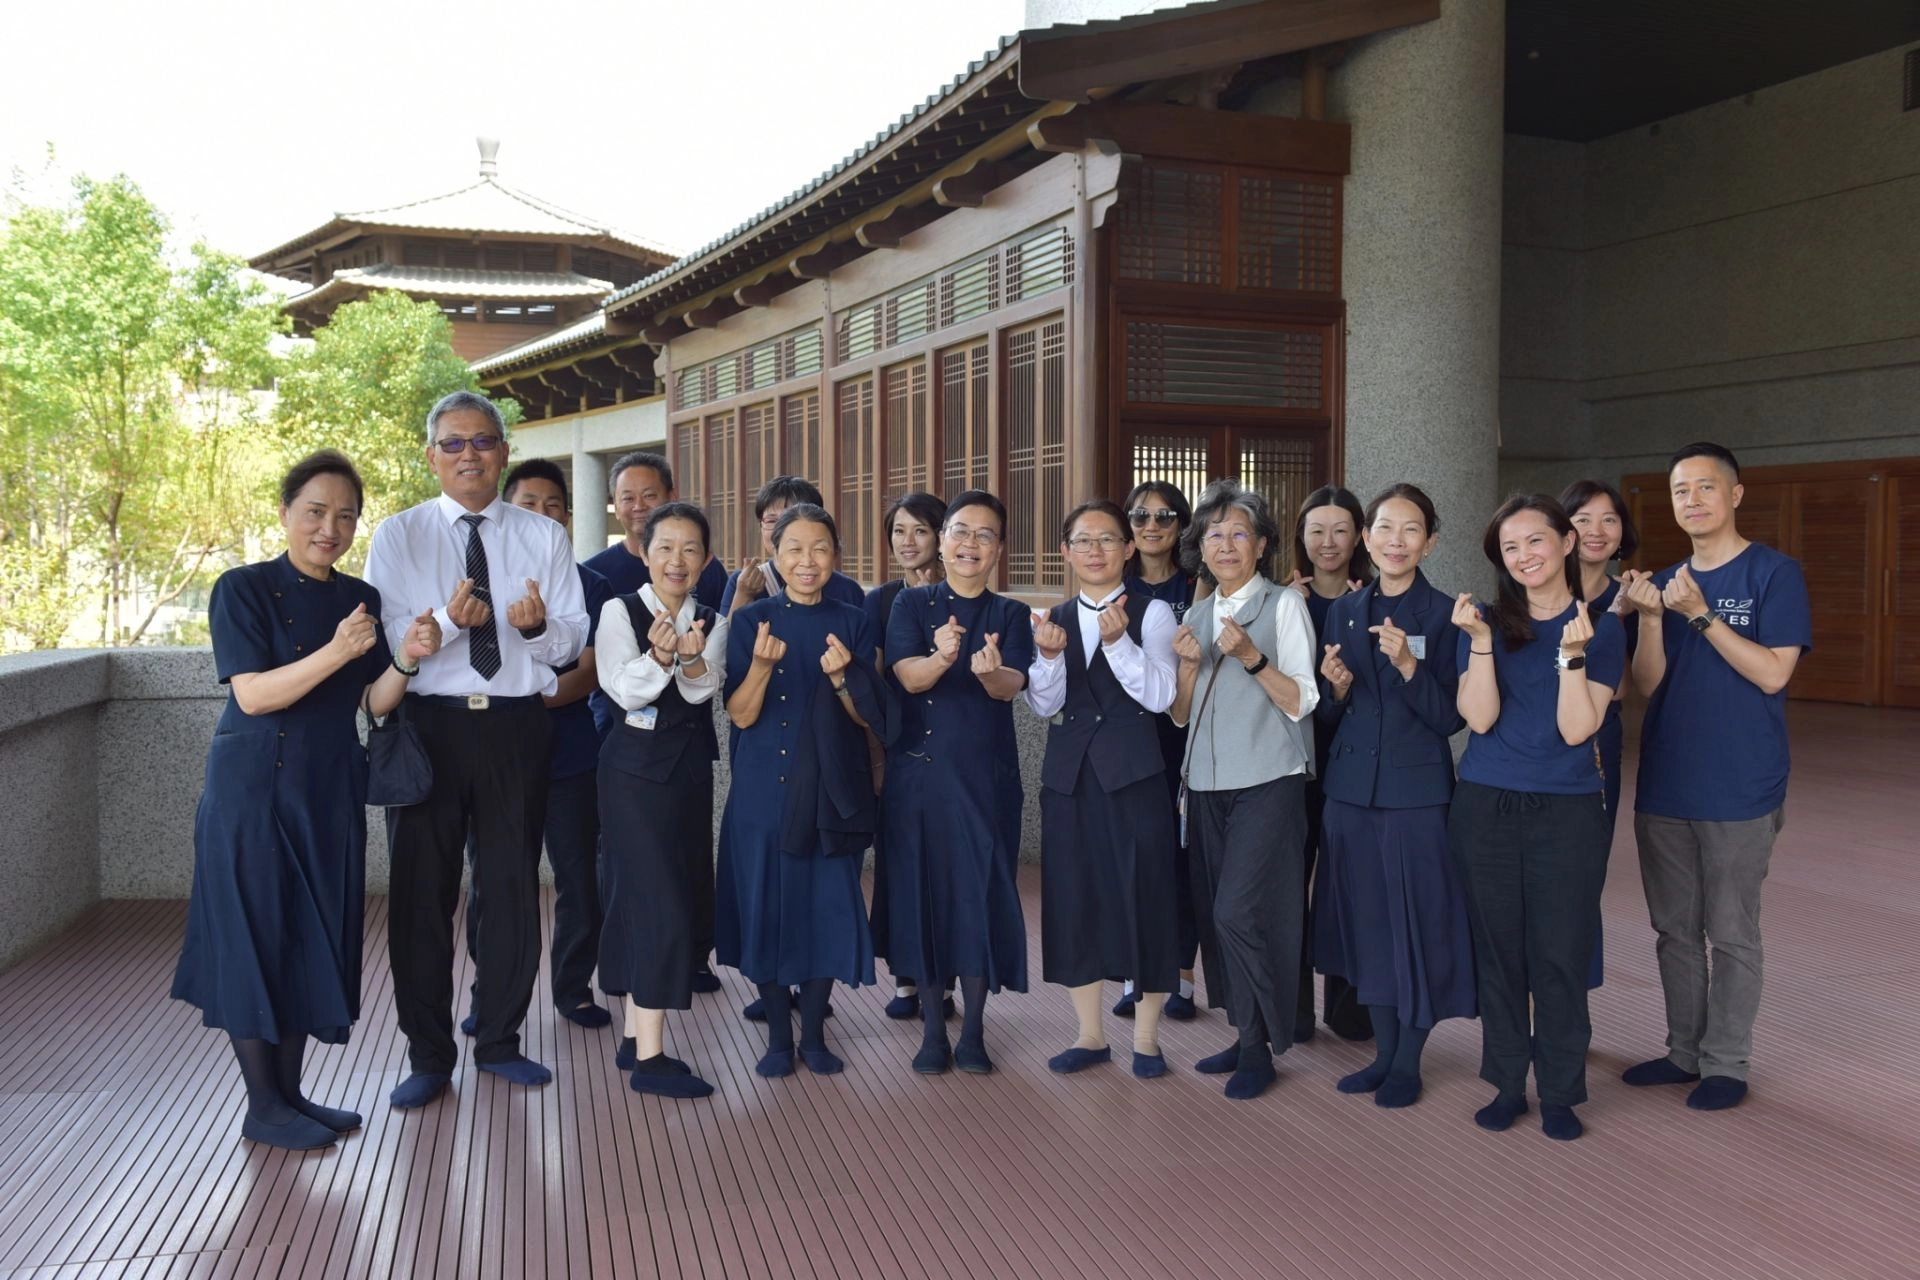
[398,770]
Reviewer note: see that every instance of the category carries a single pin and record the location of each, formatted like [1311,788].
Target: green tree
[131,454]
[364,387]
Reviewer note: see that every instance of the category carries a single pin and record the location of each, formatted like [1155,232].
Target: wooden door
[1283,464]
[1900,594]
[1832,531]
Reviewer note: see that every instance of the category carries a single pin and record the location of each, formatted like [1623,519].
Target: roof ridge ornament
[489,164]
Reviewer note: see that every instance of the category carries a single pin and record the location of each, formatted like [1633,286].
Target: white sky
[250,123]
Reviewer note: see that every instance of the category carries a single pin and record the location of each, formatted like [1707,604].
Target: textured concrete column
[1421,270]
[589,503]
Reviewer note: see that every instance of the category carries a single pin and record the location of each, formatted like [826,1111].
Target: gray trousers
[1249,897]
[1702,881]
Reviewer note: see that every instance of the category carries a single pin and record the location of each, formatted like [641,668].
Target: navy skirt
[1109,888]
[1393,917]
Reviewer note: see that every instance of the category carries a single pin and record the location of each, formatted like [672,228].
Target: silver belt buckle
[476,702]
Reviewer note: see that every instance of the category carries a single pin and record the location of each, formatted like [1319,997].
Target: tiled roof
[583,332]
[458,282]
[489,206]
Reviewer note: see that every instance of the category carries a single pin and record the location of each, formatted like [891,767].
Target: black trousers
[1533,866]
[489,777]
[572,833]
[1249,887]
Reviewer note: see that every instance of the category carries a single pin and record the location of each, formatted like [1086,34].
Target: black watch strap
[1704,621]
[1258,667]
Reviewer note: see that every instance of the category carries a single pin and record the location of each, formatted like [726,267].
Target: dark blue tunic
[953,798]
[273,939]
[879,609]
[1177,593]
[785,916]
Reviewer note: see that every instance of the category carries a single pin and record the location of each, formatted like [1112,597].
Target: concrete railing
[102,761]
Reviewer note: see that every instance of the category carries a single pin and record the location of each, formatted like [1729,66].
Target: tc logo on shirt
[1735,613]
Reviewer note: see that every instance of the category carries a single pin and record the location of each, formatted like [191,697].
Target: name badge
[644,718]
[1417,646]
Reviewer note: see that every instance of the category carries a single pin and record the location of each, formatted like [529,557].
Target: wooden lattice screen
[1036,435]
[964,419]
[858,440]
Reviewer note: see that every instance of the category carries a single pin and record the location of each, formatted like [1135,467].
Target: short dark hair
[1581,492]
[1706,449]
[1219,498]
[321,462]
[1099,506]
[677,511]
[925,507]
[792,490]
[538,469]
[1168,493]
[1359,564]
[1406,493]
[979,498]
[806,513]
[640,458]
[1510,616]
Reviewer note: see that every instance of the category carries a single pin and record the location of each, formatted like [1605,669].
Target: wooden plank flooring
[120,1154]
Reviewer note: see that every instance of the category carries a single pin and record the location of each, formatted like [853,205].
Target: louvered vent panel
[859,333]
[1288,234]
[1205,364]
[1168,226]
[1039,264]
[806,354]
[689,388]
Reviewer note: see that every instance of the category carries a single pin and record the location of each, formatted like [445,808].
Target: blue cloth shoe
[1149,1066]
[1717,1093]
[934,1058]
[518,1070]
[1251,1079]
[1657,1071]
[775,1063]
[338,1121]
[670,1085]
[705,983]
[1559,1123]
[1498,1116]
[1225,1062]
[1180,1008]
[296,1133]
[900,1008]
[971,1057]
[470,1023]
[1068,1061]
[1399,1091]
[418,1089]
[587,1015]
[627,1056]
[822,1061]
[1123,1007]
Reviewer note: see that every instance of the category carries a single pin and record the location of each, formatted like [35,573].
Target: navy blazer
[830,807]
[1394,738]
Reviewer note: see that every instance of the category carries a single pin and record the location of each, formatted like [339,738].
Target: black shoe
[705,981]
[1123,1007]
[1717,1093]
[1180,1008]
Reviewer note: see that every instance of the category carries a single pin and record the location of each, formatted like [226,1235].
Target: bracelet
[414,670]
[533,632]
[694,661]
[1484,653]
[1258,667]
[841,691]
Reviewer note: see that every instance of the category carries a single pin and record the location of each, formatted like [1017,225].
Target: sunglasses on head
[1142,517]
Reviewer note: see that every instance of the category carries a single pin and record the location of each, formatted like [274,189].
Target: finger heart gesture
[986,660]
[946,641]
[1393,644]
[767,647]
[1186,645]
[837,658]
[1335,671]
[692,643]
[1113,620]
[1049,637]
[465,608]
[1578,631]
[529,612]
[1466,616]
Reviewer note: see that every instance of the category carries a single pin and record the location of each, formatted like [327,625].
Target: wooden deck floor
[119,1151]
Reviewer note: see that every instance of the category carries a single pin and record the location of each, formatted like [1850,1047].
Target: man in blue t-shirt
[638,483]
[757,577]
[572,832]
[1720,635]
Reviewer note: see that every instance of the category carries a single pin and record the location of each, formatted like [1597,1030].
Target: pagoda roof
[486,207]
[584,332]
[456,282]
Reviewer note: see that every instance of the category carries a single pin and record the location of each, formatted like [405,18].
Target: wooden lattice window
[1182,461]
[964,419]
[1279,467]
[909,429]
[759,460]
[1170,224]
[802,352]
[1287,233]
[1036,434]
[688,455]
[800,436]
[859,332]
[859,445]
[690,388]
[722,482]
[912,314]
[1039,264]
[970,290]
[1277,368]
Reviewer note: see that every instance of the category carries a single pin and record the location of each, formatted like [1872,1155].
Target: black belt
[477,701]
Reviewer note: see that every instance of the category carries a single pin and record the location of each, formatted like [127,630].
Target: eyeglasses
[1218,538]
[1087,542]
[1142,517]
[481,444]
[973,537]
[767,522]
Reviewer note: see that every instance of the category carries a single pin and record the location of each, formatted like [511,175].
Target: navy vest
[679,725]
[1100,722]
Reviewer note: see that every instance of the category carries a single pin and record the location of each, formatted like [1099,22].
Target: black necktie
[483,641]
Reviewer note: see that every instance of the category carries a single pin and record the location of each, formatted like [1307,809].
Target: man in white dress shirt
[501,582]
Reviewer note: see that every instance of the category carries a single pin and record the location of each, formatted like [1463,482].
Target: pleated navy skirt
[1109,887]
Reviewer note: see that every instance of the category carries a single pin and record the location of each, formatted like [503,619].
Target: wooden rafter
[1195,133]
[889,231]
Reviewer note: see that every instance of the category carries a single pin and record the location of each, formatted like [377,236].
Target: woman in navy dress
[273,941]
[953,799]
[1159,513]
[1605,528]
[1391,916]
[788,915]
[1528,826]
[1103,669]
[1330,562]
[913,531]
[661,656]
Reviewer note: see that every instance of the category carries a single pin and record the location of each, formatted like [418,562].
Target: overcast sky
[250,123]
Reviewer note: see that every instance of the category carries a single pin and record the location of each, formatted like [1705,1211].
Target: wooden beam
[637,362]
[1194,133]
[661,332]
[968,190]
[824,262]
[764,290]
[1070,65]
[888,232]
[710,316]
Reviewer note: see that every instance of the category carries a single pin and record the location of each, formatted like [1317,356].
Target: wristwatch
[1576,663]
[1704,621]
[1258,667]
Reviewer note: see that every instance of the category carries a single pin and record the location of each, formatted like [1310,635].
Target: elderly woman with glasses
[1103,670]
[953,797]
[1245,687]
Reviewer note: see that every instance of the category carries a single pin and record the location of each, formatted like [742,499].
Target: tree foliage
[364,386]
[131,456]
